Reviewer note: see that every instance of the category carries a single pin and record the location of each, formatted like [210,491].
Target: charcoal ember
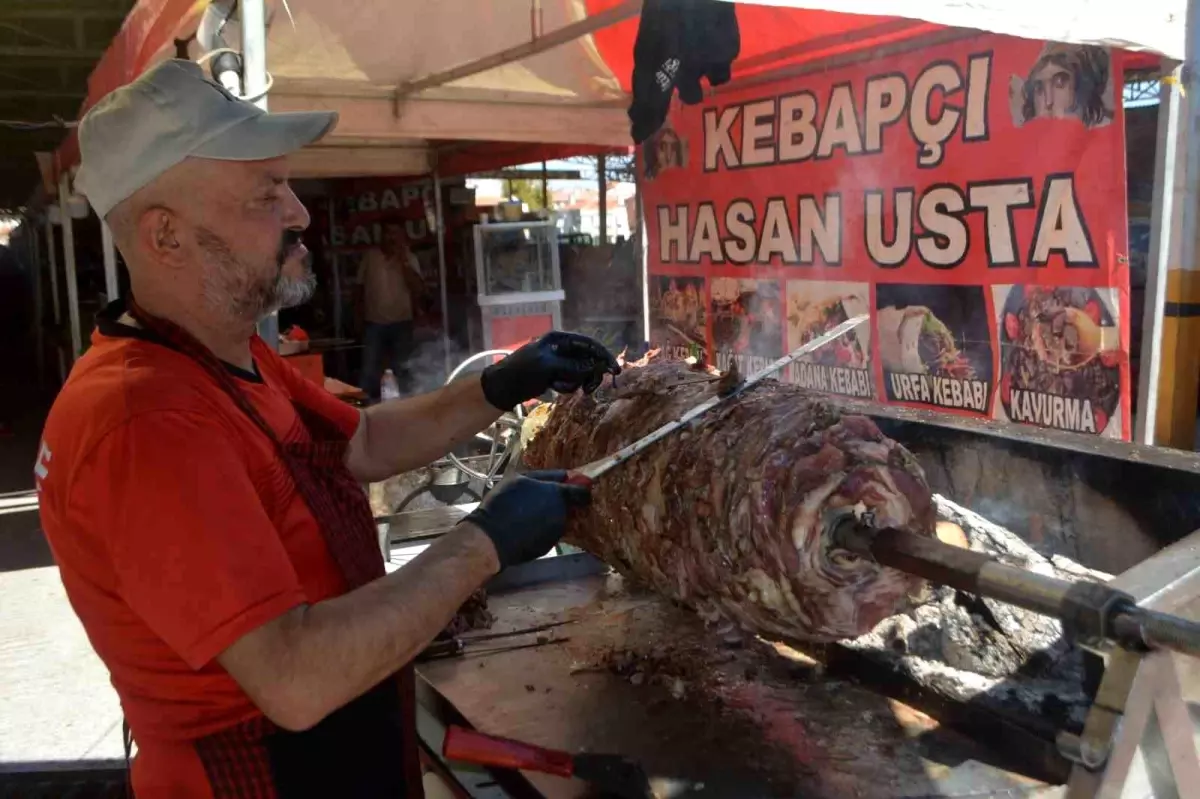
[979,650]
[472,615]
[727,516]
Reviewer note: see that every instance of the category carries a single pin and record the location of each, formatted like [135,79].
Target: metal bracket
[1089,608]
[1139,739]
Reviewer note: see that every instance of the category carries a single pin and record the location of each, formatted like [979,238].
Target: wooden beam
[529,174]
[331,162]
[567,33]
[372,118]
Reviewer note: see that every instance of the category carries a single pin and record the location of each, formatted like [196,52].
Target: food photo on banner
[843,366]
[935,345]
[678,322]
[1060,357]
[747,322]
[911,187]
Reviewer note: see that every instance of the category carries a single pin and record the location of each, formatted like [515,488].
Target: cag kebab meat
[728,515]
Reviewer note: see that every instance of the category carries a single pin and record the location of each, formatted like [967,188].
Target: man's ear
[158,234]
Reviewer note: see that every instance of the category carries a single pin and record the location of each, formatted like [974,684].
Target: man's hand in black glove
[527,516]
[565,362]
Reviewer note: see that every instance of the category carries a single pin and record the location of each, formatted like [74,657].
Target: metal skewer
[585,475]
[1085,608]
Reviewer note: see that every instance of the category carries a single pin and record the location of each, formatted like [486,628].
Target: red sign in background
[970,197]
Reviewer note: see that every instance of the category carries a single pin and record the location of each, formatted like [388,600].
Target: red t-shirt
[177,530]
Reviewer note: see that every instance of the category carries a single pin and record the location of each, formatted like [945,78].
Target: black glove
[565,362]
[526,516]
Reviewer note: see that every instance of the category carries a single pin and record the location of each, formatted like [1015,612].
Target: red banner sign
[366,205]
[969,197]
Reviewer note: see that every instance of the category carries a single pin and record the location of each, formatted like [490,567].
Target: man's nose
[295,215]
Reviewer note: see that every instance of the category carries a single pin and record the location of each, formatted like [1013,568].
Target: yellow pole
[1179,364]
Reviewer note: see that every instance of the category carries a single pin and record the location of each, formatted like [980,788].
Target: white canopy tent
[361,57]
[408,77]
[1156,26]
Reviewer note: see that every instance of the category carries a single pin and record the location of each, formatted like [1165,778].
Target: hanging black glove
[565,362]
[678,43]
[526,516]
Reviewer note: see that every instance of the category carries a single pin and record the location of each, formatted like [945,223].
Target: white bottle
[388,387]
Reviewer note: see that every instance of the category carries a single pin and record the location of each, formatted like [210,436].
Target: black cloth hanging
[679,42]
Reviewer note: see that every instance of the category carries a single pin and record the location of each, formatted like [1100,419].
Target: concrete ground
[57,705]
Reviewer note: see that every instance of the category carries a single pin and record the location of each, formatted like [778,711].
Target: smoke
[428,366]
[603,288]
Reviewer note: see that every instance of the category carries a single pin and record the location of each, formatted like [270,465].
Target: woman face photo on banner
[1066,82]
[664,150]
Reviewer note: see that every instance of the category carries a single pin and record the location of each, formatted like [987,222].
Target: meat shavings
[727,516]
[472,615]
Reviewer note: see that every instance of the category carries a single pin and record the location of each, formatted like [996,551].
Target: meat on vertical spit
[728,515]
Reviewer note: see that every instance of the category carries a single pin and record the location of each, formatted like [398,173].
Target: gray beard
[230,288]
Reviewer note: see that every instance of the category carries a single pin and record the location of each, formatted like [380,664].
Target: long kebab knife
[586,475]
[615,775]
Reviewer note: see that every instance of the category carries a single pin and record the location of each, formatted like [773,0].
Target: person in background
[389,278]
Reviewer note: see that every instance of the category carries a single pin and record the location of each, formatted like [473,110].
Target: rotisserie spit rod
[1085,609]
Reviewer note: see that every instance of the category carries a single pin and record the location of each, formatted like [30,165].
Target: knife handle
[469,746]
[578,479]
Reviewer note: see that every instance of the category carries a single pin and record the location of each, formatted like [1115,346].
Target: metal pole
[602,178]
[1181,374]
[64,208]
[254,49]
[111,287]
[1164,238]
[39,312]
[253,17]
[52,261]
[337,276]
[643,242]
[545,188]
[440,226]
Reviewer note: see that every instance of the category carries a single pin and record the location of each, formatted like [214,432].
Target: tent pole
[111,286]
[1179,372]
[440,225]
[52,262]
[1165,236]
[334,267]
[547,41]
[643,246]
[39,311]
[602,180]
[64,208]
[253,17]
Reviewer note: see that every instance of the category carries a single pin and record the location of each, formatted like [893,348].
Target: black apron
[368,748]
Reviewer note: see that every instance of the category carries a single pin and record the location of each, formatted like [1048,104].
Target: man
[390,281]
[203,501]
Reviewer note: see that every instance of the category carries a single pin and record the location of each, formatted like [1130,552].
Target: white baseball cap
[172,112]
